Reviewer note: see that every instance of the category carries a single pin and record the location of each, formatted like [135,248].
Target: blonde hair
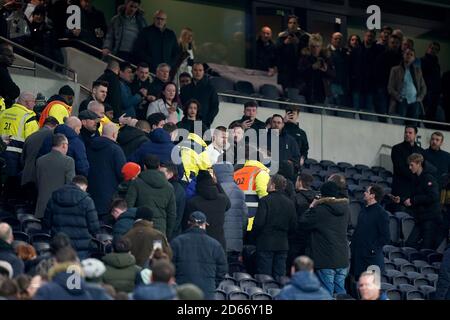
[315,39]
[183,44]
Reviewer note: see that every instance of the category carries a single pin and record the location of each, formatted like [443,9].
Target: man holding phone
[249,120]
[292,128]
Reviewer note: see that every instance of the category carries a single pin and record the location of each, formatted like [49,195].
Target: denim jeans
[271,262]
[409,110]
[364,102]
[382,100]
[333,280]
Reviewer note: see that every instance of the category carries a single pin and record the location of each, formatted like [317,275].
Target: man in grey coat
[53,170]
[30,152]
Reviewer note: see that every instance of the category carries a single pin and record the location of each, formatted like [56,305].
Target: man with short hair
[371,233]
[274,220]
[218,145]
[156,121]
[123,217]
[292,128]
[162,283]
[99,93]
[385,33]
[106,160]
[198,258]
[202,90]
[70,206]
[266,52]
[339,58]
[288,149]
[53,170]
[402,176]
[369,287]
[304,284]
[6,250]
[124,29]
[249,120]
[131,138]
[431,71]
[156,43]
[158,83]
[9,90]
[141,81]
[130,102]
[439,158]
[113,98]
[423,201]
[89,129]
[153,191]
[184,79]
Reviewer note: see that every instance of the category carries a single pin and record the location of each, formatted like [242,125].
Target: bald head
[74,123]
[110,131]
[6,233]
[97,107]
[27,99]
[336,40]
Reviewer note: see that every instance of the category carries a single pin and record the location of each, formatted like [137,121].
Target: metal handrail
[330,108]
[40,56]
[16,66]
[91,47]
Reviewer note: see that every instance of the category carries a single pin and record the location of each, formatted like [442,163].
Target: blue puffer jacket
[199,259]
[107,159]
[304,285]
[72,211]
[77,150]
[236,217]
[124,223]
[155,291]
[159,145]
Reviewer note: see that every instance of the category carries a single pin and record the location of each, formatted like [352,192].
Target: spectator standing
[89,121]
[99,94]
[71,206]
[53,170]
[371,233]
[289,45]
[144,238]
[198,258]
[157,86]
[184,79]
[287,146]
[191,111]
[130,138]
[93,25]
[106,160]
[141,81]
[383,39]
[407,87]
[235,222]
[152,190]
[327,221]
[167,104]
[402,177]
[202,90]
[439,158]
[315,71]
[292,128]
[215,150]
[353,43]
[113,98]
[156,43]
[130,102]
[31,6]
[123,30]
[211,200]
[266,52]
[304,284]
[431,71]
[9,91]
[123,217]
[162,283]
[339,59]
[249,120]
[58,106]
[185,59]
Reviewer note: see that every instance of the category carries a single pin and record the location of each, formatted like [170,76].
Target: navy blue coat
[57,289]
[7,254]
[235,217]
[155,291]
[371,234]
[106,159]
[124,223]
[199,259]
[77,149]
[304,285]
[72,211]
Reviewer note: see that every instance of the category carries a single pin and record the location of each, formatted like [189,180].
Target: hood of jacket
[56,97]
[255,163]
[60,275]
[67,131]
[68,196]
[128,134]
[155,291]
[308,194]
[154,178]
[160,136]
[337,206]
[224,172]
[305,281]
[119,260]
[101,143]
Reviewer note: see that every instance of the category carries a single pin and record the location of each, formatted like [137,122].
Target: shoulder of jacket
[332,200]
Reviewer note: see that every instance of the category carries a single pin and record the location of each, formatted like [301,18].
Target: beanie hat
[93,268]
[130,170]
[204,178]
[329,189]
[144,213]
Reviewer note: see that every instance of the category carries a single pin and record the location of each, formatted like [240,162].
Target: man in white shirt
[218,145]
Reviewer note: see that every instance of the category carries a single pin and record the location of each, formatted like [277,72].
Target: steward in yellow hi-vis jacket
[58,106]
[192,156]
[16,124]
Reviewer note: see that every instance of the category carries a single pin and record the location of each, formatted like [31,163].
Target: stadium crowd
[141,199]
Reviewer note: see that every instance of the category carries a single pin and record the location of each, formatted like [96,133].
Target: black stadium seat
[220,295]
[273,292]
[21,236]
[394,294]
[238,296]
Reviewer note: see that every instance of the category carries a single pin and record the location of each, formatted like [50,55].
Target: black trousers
[425,231]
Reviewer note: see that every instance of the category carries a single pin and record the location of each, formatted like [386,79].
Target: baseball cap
[88,115]
[198,217]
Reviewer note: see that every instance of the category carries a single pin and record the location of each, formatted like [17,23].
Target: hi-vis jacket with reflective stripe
[253,179]
[193,156]
[16,124]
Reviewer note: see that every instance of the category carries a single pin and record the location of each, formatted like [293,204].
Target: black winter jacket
[113,98]
[72,211]
[8,90]
[130,139]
